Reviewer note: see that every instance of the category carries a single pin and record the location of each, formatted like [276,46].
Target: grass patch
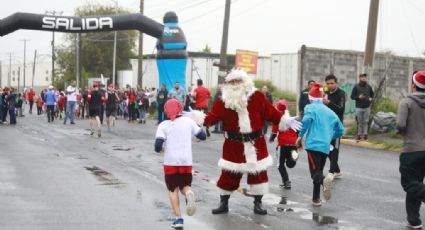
[387,145]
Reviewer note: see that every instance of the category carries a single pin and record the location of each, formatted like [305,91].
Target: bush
[276,93]
[386,104]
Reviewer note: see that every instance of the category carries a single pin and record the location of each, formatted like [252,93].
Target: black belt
[243,137]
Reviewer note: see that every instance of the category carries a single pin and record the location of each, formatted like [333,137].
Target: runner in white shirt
[174,139]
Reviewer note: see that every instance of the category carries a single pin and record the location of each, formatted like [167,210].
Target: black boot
[224,205]
[257,206]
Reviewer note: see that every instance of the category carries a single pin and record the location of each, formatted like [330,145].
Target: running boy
[287,146]
[174,138]
[322,126]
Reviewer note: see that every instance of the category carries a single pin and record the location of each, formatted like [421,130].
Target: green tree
[96,49]
[207,49]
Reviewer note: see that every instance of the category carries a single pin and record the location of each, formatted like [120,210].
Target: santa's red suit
[244,156]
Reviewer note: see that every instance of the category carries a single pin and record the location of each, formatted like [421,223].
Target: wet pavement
[54,176]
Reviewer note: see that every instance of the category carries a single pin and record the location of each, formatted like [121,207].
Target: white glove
[294,124]
[197,116]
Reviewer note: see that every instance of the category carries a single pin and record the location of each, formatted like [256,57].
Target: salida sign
[69,23]
[247,60]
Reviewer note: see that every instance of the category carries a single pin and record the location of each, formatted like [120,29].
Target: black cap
[170,17]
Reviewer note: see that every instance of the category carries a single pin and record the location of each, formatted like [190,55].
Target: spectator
[161,99]
[303,100]
[363,94]
[335,100]
[30,96]
[11,100]
[178,93]
[71,101]
[50,100]
[269,97]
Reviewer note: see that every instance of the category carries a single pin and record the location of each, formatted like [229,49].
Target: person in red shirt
[286,144]
[30,96]
[131,106]
[61,104]
[201,95]
[39,105]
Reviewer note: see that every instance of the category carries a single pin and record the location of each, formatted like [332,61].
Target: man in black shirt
[95,99]
[335,100]
[161,98]
[363,94]
[304,100]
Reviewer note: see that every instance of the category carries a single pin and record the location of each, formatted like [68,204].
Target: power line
[412,36]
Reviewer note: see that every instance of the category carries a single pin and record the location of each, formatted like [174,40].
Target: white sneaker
[294,155]
[414,226]
[327,186]
[337,175]
[191,205]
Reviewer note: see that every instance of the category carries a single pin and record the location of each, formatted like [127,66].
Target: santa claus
[244,110]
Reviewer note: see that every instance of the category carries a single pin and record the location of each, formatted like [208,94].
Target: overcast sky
[266,26]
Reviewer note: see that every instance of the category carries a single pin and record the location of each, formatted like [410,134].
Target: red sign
[247,60]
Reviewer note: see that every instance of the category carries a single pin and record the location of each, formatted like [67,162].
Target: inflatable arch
[171,45]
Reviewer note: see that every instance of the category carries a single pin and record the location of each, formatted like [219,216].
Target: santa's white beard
[235,97]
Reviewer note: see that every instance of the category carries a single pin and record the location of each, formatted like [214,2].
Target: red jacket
[61,103]
[288,137]
[31,95]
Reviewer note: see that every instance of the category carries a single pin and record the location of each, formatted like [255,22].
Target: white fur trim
[314,98]
[244,121]
[225,192]
[250,155]
[197,116]
[418,84]
[260,165]
[283,120]
[236,74]
[259,189]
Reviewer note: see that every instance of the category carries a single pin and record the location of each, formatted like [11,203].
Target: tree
[207,49]
[96,49]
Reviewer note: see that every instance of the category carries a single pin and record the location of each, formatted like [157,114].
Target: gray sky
[266,26]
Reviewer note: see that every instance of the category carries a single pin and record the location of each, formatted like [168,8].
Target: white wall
[42,77]
[284,69]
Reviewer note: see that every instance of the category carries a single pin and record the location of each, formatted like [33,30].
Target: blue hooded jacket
[322,126]
[50,98]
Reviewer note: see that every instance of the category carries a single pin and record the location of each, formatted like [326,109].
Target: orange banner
[247,60]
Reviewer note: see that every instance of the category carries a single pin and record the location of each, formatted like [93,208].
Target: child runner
[287,146]
[112,100]
[39,105]
[174,138]
[322,126]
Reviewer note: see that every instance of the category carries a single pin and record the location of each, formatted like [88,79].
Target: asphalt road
[54,176]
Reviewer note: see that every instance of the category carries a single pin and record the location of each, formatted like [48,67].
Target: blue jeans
[12,114]
[70,110]
[142,114]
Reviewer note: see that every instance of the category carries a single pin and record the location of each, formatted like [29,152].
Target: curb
[368,145]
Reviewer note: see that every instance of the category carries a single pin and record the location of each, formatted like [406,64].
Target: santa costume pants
[229,181]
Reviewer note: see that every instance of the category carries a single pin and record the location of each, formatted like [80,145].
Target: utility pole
[54,13]
[77,57]
[371,35]
[140,61]
[114,56]
[19,77]
[25,53]
[9,79]
[33,68]
[223,52]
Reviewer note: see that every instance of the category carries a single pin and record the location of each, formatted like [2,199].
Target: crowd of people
[242,113]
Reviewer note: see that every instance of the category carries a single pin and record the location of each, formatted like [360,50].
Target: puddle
[104,176]
[121,148]
[320,220]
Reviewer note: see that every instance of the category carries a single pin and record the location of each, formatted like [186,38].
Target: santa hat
[281,105]
[419,79]
[316,92]
[172,108]
[236,74]
[95,85]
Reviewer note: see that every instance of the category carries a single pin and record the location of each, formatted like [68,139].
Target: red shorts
[177,176]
